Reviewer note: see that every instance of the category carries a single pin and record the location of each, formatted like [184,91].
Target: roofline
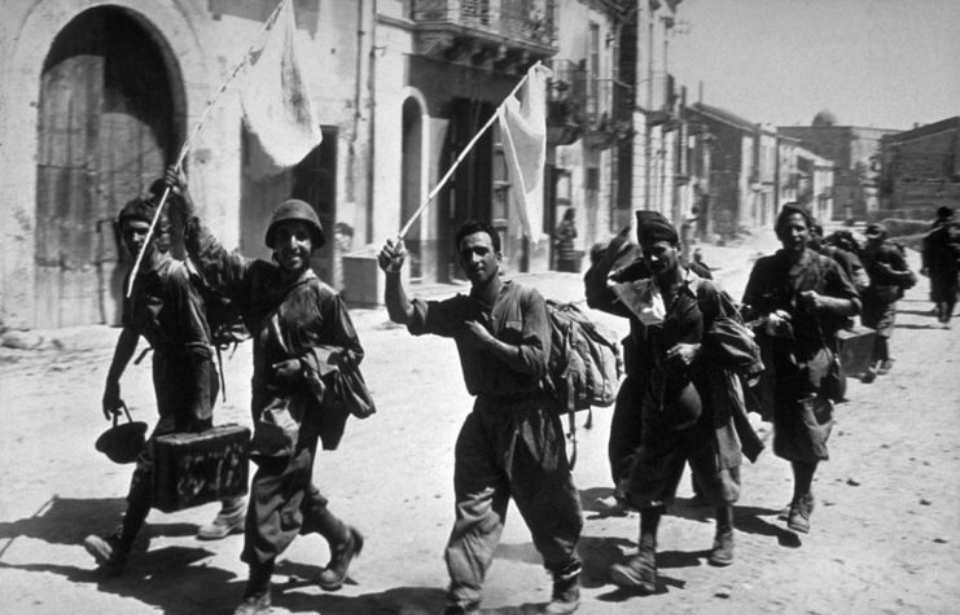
[923,131]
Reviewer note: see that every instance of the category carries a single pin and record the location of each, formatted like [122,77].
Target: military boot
[566,591]
[341,555]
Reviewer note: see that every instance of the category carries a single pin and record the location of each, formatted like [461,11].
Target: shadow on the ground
[166,578]
[929,312]
[68,521]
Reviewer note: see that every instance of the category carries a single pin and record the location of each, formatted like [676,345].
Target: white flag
[523,124]
[276,104]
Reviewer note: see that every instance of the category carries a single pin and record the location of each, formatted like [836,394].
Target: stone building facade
[855,152]
[921,170]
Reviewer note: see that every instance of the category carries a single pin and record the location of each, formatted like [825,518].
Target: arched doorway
[411,185]
[108,125]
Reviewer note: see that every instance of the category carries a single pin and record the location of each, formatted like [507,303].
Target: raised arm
[222,269]
[391,260]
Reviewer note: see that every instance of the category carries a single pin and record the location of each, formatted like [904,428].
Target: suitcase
[856,348]
[193,469]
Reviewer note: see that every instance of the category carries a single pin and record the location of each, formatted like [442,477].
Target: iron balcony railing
[592,102]
[530,21]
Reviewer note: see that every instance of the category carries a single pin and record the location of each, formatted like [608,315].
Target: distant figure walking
[889,275]
[941,262]
[563,240]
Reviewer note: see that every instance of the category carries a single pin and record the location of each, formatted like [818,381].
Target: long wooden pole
[189,142]
[463,153]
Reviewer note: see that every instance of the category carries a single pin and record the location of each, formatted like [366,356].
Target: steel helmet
[295,209]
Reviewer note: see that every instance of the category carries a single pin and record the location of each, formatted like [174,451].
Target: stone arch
[414,175]
[69,284]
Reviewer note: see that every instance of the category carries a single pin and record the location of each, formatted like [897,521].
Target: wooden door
[105,125]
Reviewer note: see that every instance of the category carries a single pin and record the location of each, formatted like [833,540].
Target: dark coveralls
[511,445]
[941,258]
[304,319]
[691,414]
[796,367]
[167,310]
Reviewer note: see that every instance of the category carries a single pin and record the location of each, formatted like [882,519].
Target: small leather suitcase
[193,469]
[856,349]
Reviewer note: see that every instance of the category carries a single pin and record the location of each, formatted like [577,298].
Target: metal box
[856,349]
[193,469]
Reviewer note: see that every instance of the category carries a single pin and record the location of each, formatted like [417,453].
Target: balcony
[504,34]
[579,104]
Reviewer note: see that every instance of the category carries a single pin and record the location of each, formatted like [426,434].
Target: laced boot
[460,609]
[110,551]
[566,591]
[255,605]
[800,511]
[341,555]
[640,571]
[722,552]
[228,521]
[256,597]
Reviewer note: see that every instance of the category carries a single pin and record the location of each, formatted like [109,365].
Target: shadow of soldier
[167,578]
[69,520]
[301,596]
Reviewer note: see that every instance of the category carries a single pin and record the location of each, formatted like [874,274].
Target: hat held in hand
[123,442]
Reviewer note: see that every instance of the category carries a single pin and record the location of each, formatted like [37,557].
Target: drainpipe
[351,189]
[371,119]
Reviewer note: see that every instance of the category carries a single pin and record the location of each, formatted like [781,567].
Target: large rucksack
[585,364]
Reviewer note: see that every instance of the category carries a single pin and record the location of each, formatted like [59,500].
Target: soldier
[889,274]
[302,333]
[512,444]
[690,346]
[802,298]
[941,262]
[167,309]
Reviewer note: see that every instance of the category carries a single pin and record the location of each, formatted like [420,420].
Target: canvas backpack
[585,364]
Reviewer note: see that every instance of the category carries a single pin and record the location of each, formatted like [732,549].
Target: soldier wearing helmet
[303,335]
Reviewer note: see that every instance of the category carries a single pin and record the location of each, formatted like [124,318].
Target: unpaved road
[885,533]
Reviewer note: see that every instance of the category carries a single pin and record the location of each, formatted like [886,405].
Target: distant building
[732,176]
[921,170]
[854,151]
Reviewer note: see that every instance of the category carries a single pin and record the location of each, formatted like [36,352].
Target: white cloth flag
[523,125]
[276,104]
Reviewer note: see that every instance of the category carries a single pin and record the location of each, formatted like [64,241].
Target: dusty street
[885,533]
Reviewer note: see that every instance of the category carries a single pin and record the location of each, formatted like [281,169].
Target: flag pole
[463,153]
[188,144]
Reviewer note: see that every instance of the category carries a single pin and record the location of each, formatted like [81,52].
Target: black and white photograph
[479,307]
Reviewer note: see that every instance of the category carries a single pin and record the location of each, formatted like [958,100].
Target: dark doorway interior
[107,128]
[469,194]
